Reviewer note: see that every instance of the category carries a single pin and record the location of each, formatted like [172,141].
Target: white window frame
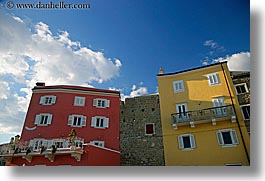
[64,143]
[246,88]
[37,143]
[181,143]
[213,79]
[241,107]
[39,119]
[47,100]
[98,143]
[100,122]
[101,103]
[178,86]
[153,129]
[79,101]
[233,136]
[72,121]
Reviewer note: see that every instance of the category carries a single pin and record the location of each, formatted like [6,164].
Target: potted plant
[72,137]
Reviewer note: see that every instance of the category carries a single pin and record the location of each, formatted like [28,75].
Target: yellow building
[201,119]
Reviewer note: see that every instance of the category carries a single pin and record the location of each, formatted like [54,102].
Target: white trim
[75,92]
[104,148]
[213,79]
[178,86]
[233,136]
[79,101]
[245,105]
[153,129]
[30,129]
[71,120]
[192,142]
[246,88]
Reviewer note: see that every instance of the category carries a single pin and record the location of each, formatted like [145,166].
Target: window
[227,137]
[59,143]
[77,120]
[100,122]
[213,79]
[43,119]
[246,111]
[101,103]
[181,110]
[186,142]
[47,100]
[79,101]
[37,143]
[97,143]
[219,104]
[178,86]
[241,88]
[149,129]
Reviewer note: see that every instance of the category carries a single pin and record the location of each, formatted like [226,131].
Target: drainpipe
[242,138]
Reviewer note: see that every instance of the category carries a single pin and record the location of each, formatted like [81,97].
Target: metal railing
[203,114]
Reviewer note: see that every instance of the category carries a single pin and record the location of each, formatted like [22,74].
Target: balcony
[212,115]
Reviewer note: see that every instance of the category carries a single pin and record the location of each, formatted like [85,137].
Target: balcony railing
[204,115]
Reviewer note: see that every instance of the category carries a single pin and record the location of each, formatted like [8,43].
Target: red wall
[63,108]
[93,156]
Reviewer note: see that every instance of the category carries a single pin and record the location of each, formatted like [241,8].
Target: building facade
[201,118]
[69,125]
[141,132]
[241,82]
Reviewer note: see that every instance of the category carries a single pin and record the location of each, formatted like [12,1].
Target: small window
[47,100]
[97,143]
[149,129]
[246,111]
[213,79]
[227,137]
[100,122]
[241,88]
[43,119]
[77,120]
[101,103]
[186,142]
[79,101]
[178,86]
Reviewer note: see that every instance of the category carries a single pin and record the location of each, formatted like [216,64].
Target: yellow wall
[198,95]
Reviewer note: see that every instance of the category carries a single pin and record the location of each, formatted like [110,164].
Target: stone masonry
[138,146]
[244,98]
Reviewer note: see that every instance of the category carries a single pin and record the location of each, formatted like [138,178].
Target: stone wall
[137,148]
[243,99]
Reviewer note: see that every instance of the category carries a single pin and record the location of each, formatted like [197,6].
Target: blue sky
[115,44]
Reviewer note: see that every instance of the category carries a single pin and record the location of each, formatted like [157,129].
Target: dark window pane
[227,137]
[186,141]
[246,112]
[149,129]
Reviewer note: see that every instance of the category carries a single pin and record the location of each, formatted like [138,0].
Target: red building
[69,125]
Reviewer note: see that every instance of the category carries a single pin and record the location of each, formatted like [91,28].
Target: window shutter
[234,137]
[45,143]
[53,99]
[107,103]
[42,99]
[70,120]
[192,141]
[83,121]
[106,123]
[218,78]
[95,102]
[219,138]
[31,143]
[49,143]
[93,122]
[180,141]
[37,119]
[49,121]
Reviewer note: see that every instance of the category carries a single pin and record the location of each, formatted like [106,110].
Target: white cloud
[210,43]
[236,62]
[37,54]
[135,92]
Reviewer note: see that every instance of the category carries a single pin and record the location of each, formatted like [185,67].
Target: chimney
[40,84]
[161,71]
